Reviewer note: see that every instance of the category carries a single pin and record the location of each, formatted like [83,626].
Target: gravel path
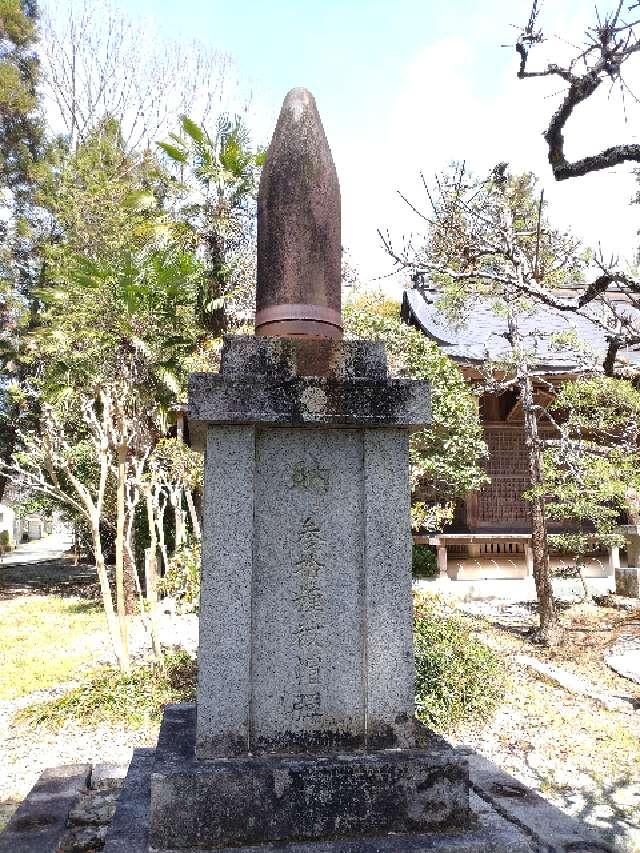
[581,757]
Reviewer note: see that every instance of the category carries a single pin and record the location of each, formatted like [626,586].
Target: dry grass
[43,642]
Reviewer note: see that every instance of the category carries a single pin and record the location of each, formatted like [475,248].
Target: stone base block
[246,801]
[628,581]
[488,832]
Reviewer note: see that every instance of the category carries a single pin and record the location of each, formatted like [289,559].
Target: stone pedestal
[305,723]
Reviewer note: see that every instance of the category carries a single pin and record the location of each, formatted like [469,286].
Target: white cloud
[443,112]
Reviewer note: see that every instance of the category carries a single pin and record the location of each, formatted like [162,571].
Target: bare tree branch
[610,44]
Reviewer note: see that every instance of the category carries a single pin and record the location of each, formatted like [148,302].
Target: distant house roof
[483,336]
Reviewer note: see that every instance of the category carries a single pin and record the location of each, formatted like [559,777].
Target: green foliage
[177,463]
[605,408]
[458,678]
[447,456]
[135,699]
[20,125]
[182,579]
[4,541]
[120,283]
[423,562]
[20,147]
[592,474]
[218,212]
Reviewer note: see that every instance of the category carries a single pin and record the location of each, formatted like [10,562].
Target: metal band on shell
[299,319]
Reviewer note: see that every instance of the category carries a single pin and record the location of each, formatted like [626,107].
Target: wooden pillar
[528,556]
[442,559]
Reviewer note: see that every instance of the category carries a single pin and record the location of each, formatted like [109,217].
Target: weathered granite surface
[387,589]
[306,657]
[308,682]
[308,401]
[488,831]
[306,383]
[305,616]
[226,592]
[249,800]
[280,359]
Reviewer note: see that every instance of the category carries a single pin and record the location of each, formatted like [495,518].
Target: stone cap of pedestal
[305,383]
[279,359]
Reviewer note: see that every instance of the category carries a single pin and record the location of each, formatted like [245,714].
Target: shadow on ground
[586,821]
[49,577]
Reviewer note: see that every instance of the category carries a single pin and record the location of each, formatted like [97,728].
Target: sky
[404,88]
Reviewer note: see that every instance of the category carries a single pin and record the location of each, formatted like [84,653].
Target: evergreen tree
[20,121]
[21,137]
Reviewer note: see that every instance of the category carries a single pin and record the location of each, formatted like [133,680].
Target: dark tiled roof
[482,337]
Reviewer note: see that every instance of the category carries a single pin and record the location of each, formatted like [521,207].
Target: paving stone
[95,808]
[84,839]
[554,830]
[39,823]
[624,656]
[107,775]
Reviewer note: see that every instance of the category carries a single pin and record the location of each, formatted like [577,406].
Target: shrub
[4,541]
[135,698]
[182,580]
[423,562]
[457,677]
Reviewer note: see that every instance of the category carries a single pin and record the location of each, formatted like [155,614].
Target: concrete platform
[506,817]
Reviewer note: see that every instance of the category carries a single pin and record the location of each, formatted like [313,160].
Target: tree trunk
[550,631]
[120,520]
[160,528]
[176,500]
[128,566]
[195,521]
[151,568]
[107,600]
[580,570]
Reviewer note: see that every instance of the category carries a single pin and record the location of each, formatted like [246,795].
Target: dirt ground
[579,755]
[49,577]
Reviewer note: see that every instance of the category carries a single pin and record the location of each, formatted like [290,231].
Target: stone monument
[304,733]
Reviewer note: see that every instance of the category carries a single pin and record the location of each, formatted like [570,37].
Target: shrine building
[491,532]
